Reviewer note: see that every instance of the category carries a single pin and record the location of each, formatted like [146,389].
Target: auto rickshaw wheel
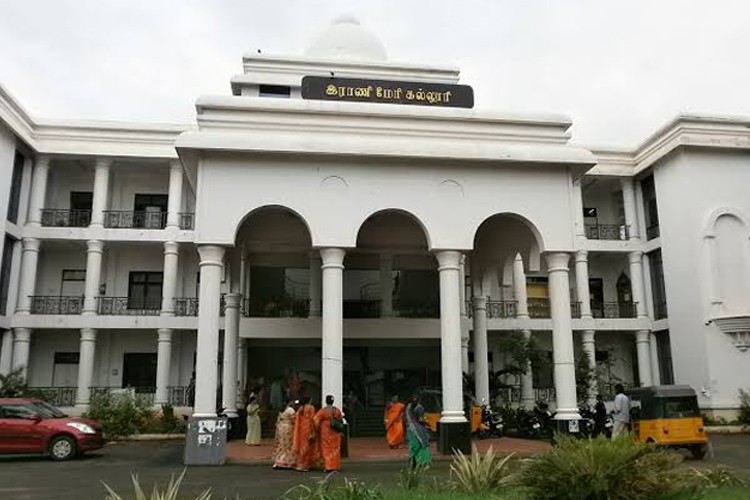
[698,451]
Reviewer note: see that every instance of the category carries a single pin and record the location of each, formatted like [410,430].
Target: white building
[370,245]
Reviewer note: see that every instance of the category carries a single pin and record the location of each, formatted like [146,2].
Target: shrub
[744,414]
[120,415]
[351,489]
[599,469]
[412,478]
[171,493]
[718,477]
[481,473]
[13,385]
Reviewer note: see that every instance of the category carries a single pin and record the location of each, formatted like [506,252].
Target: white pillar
[522,312]
[628,199]
[462,287]
[648,293]
[465,340]
[386,285]
[528,400]
[333,303]
[231,340]
[562,336]
[582,282]
[169,286]
[86,367]
[163,365]
[481,361]
[643,349]
[241,367]
[243,273]
[578,222]
[94,251]
[6,352]
[174,201]
[27,283]
[636,282]
[655,371]
[450,336]
[21,344]
[101,191]
[315,286]
[38,190]
[207,358]
[588,341]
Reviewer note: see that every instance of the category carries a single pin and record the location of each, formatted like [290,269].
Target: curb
[149,437]
[728,429]
[359,460]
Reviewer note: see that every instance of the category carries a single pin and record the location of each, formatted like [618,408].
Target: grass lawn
[512,494]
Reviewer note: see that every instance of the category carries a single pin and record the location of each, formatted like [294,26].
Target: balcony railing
[538,308]
[612,310]
[660,310]
[143,394]
[52,304]
[180,395]
[281,308]
[362,308]
[134,219]
[607,232]
[652,232]
[187,220]
[413,309]
[128,306]
[57,396]
[501,308]
[185,306]
[53,217]
[575,309]
[512,394]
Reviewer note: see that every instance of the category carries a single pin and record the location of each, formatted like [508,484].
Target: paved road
[40,479]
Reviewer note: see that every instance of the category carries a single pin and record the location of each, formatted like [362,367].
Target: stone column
[636,282]
[6,352]
[101,191]
[522,312]
[628,199]
[582,282]
[169,287]
[578,222]
[465,339]
[648,293]
[655,371]
[163,365]
[562,336]
[27,282]
[94,252]
[643,349]
[333,328]
[21,344]
[231,340]
[86,367]
[38,190]
[315,286]
[174,201]
[588,341]
[481,356]
[241,368]
[386,285]
[208,330]
[462,287]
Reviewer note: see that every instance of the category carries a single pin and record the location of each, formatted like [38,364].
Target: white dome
[346,39]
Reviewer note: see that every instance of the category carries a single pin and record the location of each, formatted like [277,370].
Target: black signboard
[387,91]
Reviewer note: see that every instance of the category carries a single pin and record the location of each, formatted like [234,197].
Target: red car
[33,426]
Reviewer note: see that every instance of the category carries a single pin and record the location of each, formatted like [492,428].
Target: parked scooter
[491,423]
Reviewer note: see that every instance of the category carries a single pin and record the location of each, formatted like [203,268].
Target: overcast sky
[619,69]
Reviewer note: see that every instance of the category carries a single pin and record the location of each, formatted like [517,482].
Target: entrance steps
[368,422]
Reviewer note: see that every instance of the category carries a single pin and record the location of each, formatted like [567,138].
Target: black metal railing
[53,217]
[607,232]
[413,309]
[128,306]
[187,220]
[135,219]
[53,304]
[652,232]
[57,396]
[144,395]
[365,308]
[180,395]
[660,310]
[575,309]
[611,310]
[538,308]
[284,307]
[184,306]
[502,308]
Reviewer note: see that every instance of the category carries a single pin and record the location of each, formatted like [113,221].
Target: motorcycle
[491,424]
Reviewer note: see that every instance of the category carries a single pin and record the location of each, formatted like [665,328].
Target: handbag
[337,424]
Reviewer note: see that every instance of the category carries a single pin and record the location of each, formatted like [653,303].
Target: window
[275,91]
[15,412]
[15,187]
[150,210]
[648,189]
[81,200]
[139,370]
[73,283]
[657,285]
[144,290]
[5,272]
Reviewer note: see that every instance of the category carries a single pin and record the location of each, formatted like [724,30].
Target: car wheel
[698,451]
[62,448]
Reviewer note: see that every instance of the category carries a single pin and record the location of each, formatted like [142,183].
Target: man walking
[621,413]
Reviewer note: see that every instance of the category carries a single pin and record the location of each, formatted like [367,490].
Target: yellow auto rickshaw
[432,402]
[668,415]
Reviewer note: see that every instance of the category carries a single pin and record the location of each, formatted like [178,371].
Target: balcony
[57,396]
[607,232]
[186,306]
[53,304]
[284,307]
[128,219]
[187,220]
[575,309]
[415,309]
[128,306]
[538,308]
[501,308]
[53,217]
[613,310]
[362,308]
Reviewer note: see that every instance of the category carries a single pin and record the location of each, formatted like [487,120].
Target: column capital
[171,248]
[103,162]
[643,336]
[95,246]
[164,335]
[31,244]
[175,165]
[557,261]
[332,257]
[88,335]
[588,336]
[448,259]
[232,300]
[479,303]
[42,161]
[635,256]
[211,255]
[627,183]
[582,256]
[22,335]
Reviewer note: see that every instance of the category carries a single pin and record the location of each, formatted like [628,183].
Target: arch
[528,243]
[412,217]
[520,218]
[241,222]
[709,228]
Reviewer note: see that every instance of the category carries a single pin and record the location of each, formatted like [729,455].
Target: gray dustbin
[205,441]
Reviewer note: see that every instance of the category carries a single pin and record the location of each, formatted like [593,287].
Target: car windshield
[45,410]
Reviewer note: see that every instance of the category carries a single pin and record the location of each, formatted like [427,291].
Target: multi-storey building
[367,246]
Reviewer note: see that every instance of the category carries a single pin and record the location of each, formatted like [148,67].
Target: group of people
[406,423]
[306,439]
[620,414]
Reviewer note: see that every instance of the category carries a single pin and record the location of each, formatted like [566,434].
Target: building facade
[368,247]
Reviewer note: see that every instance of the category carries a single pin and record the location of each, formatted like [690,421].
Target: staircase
[369,422]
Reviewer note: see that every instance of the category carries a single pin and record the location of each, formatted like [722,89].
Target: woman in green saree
[417,435]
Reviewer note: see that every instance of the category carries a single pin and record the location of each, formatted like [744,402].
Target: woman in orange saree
[330,438]
[394,423]
[305,443]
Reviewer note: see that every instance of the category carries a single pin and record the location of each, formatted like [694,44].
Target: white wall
[65,177]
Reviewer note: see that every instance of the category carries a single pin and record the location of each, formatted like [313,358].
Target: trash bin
[205,441]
